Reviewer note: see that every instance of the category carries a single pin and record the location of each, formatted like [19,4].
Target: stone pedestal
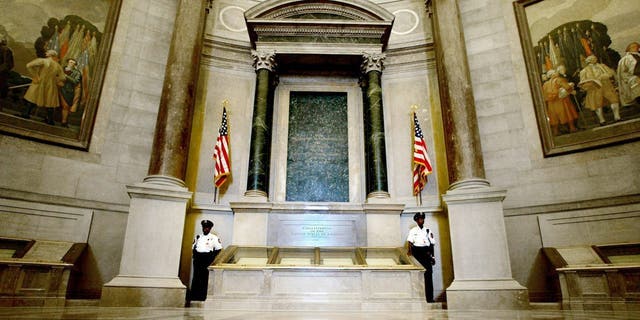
[383,224]
[481,265]
[250,224]
[148,274]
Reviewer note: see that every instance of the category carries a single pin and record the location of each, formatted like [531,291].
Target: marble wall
[594,182]
[119,152]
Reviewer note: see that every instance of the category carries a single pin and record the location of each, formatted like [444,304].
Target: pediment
[360,10]
[340,24]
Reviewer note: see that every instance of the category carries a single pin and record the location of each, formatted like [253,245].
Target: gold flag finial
[225,103]
[414,108]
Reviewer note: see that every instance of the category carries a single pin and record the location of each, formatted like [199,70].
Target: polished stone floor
[209,314]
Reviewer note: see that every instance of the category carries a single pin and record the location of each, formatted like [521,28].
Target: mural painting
[52,62]
[582,60]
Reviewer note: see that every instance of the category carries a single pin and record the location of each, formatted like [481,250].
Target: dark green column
[260,153]
[376,158]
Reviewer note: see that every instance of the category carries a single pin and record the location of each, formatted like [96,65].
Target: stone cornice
[349,9]
[294,22]
[63,201]
[589,204]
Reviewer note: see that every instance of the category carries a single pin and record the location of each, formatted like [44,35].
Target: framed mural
[53,57]
[583,65]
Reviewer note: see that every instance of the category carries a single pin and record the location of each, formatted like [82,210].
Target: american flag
[421,161]
[222,164]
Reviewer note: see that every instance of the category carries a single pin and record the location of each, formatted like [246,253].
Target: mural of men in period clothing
[43,92]
[560,110]
[70,92]
[6,64]
[596,79]
[629,75]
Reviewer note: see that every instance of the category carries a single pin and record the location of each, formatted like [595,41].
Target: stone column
[148,273]
[260,153]
[376,158]
[481,265]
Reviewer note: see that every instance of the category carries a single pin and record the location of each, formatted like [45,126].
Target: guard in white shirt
[421,245]
[205,249]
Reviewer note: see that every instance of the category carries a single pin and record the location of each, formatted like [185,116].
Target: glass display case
[255,277]
[314,257]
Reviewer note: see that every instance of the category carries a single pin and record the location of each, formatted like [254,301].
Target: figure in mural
[569,45]
[629,75]
[47,76]
[205,249]
[596,79]
[560,109]
[6,64]
[421,244]
[70,92]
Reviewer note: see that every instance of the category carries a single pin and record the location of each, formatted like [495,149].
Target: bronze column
[169,155]
[376,158]
[462,138]
[260,153]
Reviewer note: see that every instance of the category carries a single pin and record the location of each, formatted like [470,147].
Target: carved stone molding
[342,23]
[288,29]
[264,60]
[334,10]
[372,62]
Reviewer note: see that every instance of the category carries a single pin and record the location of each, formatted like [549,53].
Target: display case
[598,277]
[356,278]
[36,272]
[314,257]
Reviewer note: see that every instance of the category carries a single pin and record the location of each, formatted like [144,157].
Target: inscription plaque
[317,230]
[318,233]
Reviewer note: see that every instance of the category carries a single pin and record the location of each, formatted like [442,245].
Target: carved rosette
[372,62]
[264,60]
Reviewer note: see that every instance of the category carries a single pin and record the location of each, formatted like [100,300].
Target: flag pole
[215,194]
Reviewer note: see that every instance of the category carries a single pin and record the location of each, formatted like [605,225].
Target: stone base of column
[383,224]
[378,197]
[125,291]
[148,275]
[250,224]
[481,264]
[500,294]
[256,196]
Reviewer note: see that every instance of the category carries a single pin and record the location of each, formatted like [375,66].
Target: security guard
[421,244]
[205,249]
